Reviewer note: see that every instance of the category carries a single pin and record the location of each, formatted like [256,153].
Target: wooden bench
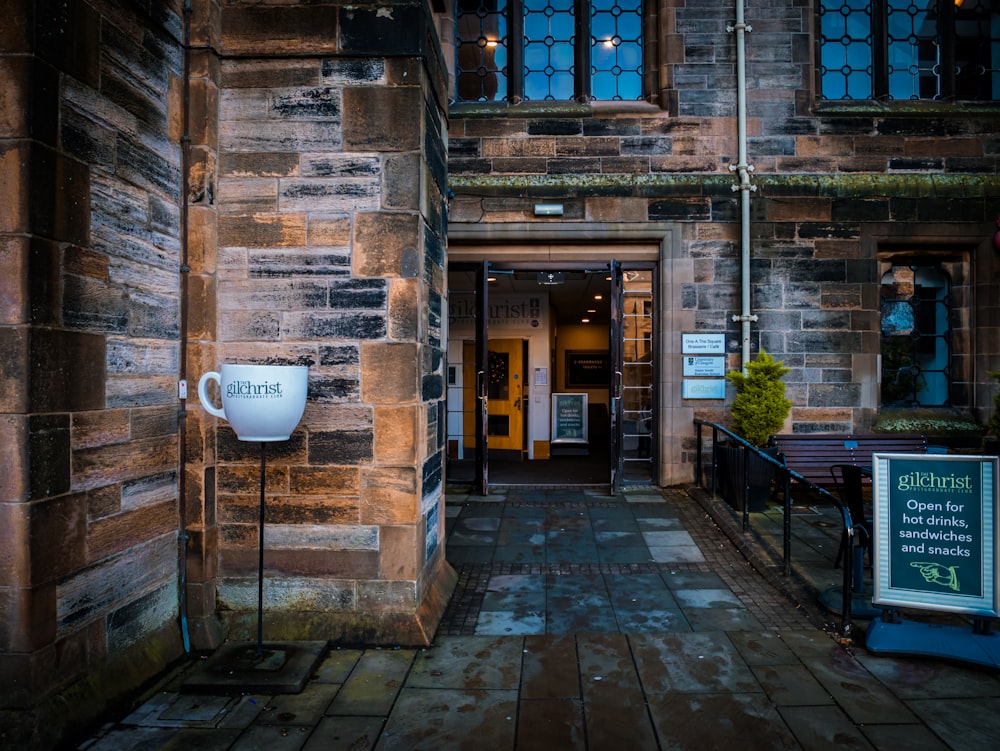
[812,454]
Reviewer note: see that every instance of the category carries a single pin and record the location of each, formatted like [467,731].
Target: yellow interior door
[505,392]
[469,395]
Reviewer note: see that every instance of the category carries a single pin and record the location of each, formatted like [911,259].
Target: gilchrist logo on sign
[935,532]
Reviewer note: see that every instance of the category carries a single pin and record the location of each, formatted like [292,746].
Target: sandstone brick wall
[90,172]
[274,194]
[836,186]
[331,183]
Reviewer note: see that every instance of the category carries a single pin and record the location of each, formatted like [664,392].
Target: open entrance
[551,374]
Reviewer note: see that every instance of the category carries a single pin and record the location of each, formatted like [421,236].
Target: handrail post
[715,461]
[786,524]
[746,489]
[789,476]
[845,618]
[697,456]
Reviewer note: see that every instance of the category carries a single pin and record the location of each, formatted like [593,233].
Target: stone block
[389,372]
[389,495]
[133,623]
[380,596]
[334,388]
[358,294]
[92,591]
[14,182]
[49,455]
[58,537]
[402,186]
[382,119]
[100,427]
[347,447]
[330,231]
[334,325]
[92,468]
[348,70]
[404,309]
[332,195]
[297,594]
[279,136]
[247,195]
[14,458]
[397,434]
[15,83]
[30,619]
[245,478]
[339,354]
[391,29]
[104,501]
[385,244]
[15,544]
[313,103]
[258,73]
[262,231]
[263,30]
[324,481]
[15,257]
[115,534]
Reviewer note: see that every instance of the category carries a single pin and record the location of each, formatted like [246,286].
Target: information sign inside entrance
[935,532]
[569,418]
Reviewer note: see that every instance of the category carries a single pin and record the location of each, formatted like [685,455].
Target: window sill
[850,108]
[550,109]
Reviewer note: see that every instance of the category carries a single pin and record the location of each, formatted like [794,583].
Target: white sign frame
[703,344]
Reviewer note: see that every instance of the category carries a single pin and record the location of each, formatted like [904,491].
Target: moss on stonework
[927,421]
[864,185]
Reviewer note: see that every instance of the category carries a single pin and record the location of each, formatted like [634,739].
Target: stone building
[422,201]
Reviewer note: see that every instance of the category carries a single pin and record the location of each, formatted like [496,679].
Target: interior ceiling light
[598,297]
[584,320]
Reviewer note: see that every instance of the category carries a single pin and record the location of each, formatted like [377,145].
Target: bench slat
[812,454]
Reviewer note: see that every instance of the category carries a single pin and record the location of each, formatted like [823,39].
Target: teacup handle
[203,393]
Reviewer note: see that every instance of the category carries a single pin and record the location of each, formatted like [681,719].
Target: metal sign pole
[260,558]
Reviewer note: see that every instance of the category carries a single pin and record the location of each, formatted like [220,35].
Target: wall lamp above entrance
[548,209]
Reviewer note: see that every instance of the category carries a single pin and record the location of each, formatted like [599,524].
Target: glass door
[638,394]
[482,381]
[615,386]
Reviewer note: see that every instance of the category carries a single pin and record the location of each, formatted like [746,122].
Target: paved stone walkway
[585,622]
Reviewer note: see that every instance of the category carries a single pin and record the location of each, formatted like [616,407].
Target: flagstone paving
[587,622]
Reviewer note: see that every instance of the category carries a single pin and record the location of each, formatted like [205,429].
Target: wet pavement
[581,621]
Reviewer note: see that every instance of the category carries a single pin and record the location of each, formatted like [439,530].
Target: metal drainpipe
[745,187]
[185,269]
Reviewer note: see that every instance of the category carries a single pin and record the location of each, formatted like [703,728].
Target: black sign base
[950,642]
[236,668]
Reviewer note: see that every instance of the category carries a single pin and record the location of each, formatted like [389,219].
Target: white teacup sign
[261,402]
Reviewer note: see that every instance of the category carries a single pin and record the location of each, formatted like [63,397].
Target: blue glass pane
[616,49]
[845,49]
[481,50]
[914,51]
[897,317]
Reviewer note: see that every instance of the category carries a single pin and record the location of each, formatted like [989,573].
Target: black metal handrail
[785,476]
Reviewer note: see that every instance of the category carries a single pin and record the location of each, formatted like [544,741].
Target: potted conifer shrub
[759,411]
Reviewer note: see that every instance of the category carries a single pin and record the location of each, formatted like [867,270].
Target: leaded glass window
[916,336]
[548,50]
[910,49]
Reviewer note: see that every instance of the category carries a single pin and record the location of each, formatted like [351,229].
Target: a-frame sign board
[936,548]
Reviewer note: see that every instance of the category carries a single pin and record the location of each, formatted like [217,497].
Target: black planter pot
[732,472]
